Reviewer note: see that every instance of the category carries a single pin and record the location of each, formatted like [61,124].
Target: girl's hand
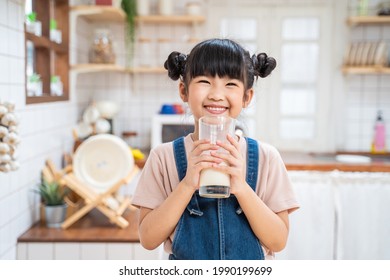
[236,166]
[199,159]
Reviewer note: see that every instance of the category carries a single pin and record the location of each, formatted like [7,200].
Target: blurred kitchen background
[322,100]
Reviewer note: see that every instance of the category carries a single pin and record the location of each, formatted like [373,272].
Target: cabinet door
[364,216]
[312,227]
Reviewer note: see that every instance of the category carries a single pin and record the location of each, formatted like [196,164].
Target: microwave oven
[166,128]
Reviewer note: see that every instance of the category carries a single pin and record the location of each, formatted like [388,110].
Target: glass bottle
[102,50]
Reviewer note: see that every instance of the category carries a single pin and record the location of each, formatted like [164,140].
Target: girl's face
[207,95]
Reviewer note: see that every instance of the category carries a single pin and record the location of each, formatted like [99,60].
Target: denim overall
[215,228]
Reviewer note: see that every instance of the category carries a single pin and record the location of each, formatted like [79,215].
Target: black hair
[222,57]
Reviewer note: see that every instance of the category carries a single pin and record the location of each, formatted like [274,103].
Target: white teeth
[216,108]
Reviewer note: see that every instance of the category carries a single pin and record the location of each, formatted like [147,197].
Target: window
[298,94]
[290,107]
[47,56]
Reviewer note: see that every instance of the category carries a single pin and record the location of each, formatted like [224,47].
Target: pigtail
[175,64]
[263,64]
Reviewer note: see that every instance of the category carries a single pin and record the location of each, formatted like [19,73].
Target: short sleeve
[279,194]
[150,191]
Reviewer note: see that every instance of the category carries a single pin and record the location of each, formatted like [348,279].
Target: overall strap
[180,157]
[181,167]
[252,162]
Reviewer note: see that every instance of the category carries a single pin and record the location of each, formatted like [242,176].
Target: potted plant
[130,8]
[34,85]
[53,199]
[33,25]
[55,34]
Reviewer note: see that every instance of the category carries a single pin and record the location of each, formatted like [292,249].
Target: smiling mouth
[216,109]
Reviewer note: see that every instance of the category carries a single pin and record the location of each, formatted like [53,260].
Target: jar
[145,52]
[164,49]
[165,7]
[101,50]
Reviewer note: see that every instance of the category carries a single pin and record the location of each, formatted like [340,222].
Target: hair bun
[263,64]
[175,64]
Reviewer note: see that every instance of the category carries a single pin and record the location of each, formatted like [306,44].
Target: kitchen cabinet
[92,237]
[112,14]
[367,69]
[363,212]
[312,227]
[84,251]
[343,215]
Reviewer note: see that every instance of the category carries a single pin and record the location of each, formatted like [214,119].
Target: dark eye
[204,81]
[231,84]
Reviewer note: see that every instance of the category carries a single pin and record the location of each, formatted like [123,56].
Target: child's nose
[215,94]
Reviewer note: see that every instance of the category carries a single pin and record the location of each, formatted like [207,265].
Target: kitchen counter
[94,227]
[328,162]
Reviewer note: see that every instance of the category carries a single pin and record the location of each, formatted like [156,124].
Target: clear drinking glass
[214,183]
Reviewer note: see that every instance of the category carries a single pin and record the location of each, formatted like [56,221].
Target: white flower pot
[34,28]
[56,36]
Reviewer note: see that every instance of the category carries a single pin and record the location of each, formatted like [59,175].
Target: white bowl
[83,130]
[91,114]
[102,126]
[107,109]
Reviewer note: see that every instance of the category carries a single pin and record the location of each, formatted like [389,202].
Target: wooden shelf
[43,42]
[176,19]
[49,57]
[99,13]
[147,70]
[366,70]
[94,68]
[355,20]
[112,14]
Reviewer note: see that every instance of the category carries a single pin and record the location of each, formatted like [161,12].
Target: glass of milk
[214,183]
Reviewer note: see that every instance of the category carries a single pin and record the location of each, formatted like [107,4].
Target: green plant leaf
[31,17]
[53,24]
[130,8]
[34,78]
[51,193]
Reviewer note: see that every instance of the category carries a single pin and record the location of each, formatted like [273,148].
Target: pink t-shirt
[159,178]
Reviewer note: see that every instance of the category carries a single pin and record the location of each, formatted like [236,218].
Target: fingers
[205,158]
[203,145]
[232,146]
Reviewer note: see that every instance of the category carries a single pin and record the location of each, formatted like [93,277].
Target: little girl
[216,79]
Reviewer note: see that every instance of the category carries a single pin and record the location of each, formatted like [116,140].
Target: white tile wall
[45,132]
